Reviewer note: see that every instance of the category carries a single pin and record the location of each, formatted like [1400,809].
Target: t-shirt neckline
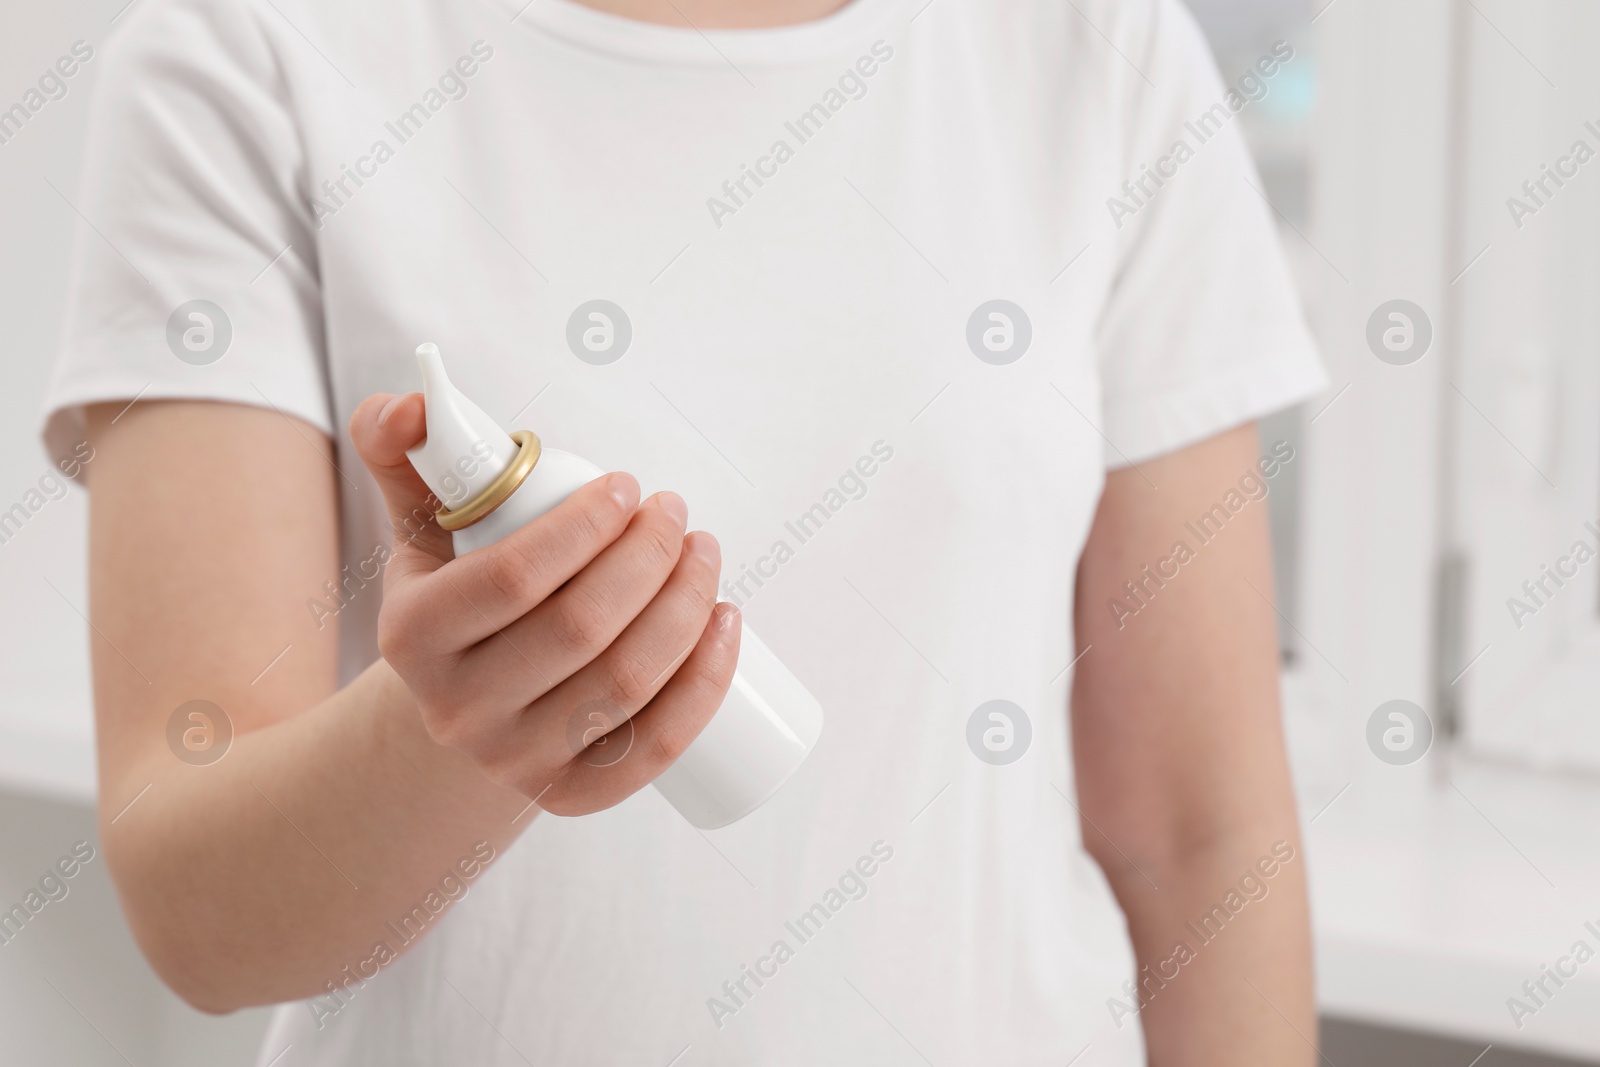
[615,35]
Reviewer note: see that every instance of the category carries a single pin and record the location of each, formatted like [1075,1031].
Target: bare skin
[258,878]
[1182,778]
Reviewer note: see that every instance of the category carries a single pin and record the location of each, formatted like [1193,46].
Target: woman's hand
[261,875]
[575,659]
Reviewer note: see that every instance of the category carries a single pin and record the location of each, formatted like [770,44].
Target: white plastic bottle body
[767,724]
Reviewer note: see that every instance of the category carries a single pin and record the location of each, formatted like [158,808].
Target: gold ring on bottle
[499,491]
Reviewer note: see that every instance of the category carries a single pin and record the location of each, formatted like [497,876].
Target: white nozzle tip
[465,449]
[432,365]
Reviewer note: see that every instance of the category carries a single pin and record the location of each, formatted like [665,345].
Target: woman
[922,311]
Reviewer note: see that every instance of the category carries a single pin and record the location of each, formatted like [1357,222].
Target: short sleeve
[194,272]
[1202,329]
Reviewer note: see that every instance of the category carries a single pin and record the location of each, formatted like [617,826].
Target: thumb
[382,428]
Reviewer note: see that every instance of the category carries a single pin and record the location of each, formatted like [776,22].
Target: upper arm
[210,527]
[1176,735]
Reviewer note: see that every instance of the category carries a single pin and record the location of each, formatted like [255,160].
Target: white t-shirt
[804,229]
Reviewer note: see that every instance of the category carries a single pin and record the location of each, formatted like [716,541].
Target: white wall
[73,986]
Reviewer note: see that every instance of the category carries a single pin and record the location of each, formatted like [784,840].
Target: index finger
[500,583]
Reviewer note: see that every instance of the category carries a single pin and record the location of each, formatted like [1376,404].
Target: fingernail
[705,546]
[388,409]
[624,490]
[726,616]
[673,505]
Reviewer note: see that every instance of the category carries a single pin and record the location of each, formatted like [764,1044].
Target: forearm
[1223,949]
[261,877]
[293,863]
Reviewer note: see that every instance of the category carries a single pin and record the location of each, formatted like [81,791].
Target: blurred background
[1440,628]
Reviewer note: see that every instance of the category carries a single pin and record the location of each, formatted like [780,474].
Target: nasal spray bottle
[491,483]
